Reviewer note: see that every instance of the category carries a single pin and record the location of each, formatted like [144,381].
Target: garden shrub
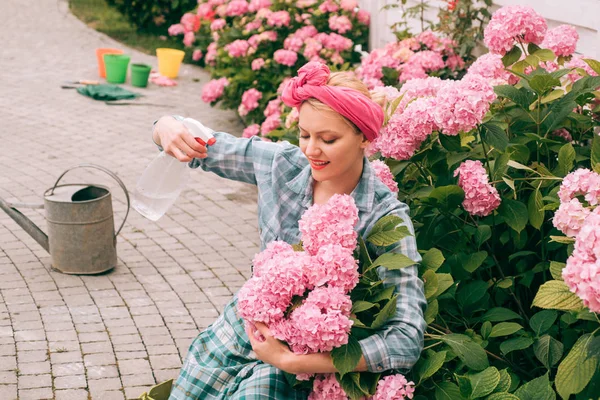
[153,15]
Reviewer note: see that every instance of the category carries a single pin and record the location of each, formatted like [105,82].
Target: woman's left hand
[270,350]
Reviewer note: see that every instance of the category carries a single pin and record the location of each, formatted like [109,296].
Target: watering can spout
[25,223]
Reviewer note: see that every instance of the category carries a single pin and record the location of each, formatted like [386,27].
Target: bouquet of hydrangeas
[314,297]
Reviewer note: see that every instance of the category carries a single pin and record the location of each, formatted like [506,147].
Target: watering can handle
[109,172]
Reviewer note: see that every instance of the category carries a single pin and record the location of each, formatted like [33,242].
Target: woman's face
[335,151]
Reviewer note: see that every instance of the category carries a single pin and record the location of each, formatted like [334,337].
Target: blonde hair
[348,79]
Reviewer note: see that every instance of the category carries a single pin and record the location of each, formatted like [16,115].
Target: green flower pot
[116,67]
[139,74]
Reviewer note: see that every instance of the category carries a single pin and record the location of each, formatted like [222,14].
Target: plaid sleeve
[239,159]
[398,344]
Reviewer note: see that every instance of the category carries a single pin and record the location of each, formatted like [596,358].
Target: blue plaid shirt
[283,177]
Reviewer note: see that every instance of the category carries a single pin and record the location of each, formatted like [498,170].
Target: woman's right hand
[172,135]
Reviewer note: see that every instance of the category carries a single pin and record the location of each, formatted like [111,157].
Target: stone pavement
[109,336]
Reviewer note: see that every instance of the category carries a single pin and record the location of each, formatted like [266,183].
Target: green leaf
[450,143]
[576,370]
[562,239]
[471,353]
[426,367]
[471,293]
[556,295]
[518,343]
[594,347]
[501,165]
[473,261]
[543,83]
[502,396]
[484,382]
[534,207]
[431,283]
[505,329]
[514,213]
[486,329]
[512,56]
[504,383]
[556,269]
[498,314]
[566,159]
[433,259]
[505,283]
[387,223]
[431,312]
[350,383]
[548,350]
[483,234]
[447,391]
[536,389]
[522,97]
[448,197]
[595,65]
[360,306]
[445,281]
[553,95]
[542,321]
[391,261]
[386,313]
[495,136]
[557,113]
[545,54]
[596,153]
[517,165]
[385,294]
[387,238]
[345,358]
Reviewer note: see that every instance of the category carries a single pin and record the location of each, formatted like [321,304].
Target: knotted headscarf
[352,104]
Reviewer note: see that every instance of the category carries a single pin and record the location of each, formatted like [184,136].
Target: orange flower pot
[100,56]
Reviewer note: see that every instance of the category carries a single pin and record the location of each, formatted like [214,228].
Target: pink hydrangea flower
[384,173]
[305,3]
[328,6]
[279,19]
[211,54]
[415,88]
[205,10]
[455,62]
[306,32]
[197,55]
[256,5]
[563,133]
[481,198]
[218,24]
[214,89]
[340,23]
[562,40]
[363,16]
[257,64]
[326,387]
[273,107]
[272,122]
[254,25]
[569,217]
[406,130]
[293,43]
[580,182]
[285,57]
[335,42]
[490,66]
[236,8]
[335,266]
[237,48]
[577,62]
[514,23]
[292,118]
[190,22]
[581,273]
[176,29]
[312,48]
[250,100]
[251,130]
[394,387]
[348,5]
[330,223]
[188,39]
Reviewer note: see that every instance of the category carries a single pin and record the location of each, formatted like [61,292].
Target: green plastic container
[139,74]
[116,67]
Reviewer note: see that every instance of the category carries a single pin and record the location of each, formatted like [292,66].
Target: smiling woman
[337,124]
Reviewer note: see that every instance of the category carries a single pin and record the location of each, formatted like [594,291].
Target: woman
[337,119]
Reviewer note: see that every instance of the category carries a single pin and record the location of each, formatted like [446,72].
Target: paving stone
[71,394]
[9,391]
[35,368]
[35,381]
[135,366]
[36,394]
[165,362]
[68,369]
[70,382]
[99,359]
[102,371]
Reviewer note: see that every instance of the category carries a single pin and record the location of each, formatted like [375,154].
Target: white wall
[584,15]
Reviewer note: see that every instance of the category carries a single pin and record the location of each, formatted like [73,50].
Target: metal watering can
[81,235]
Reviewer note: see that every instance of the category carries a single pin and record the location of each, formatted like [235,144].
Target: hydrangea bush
[249,47]
[501,170]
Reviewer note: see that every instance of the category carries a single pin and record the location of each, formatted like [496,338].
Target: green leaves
[505,329]
[542,321]
[346,357]
[391,261]
[512,56]
[427,366]
[448,197]
[480,384]
[543,83]
[548,350]
[498,314]
[514,213]
[387,231]
[494,136]
[576,370]
[596,153]
[556,269]
[536,389]
[566,159]
[519,343]
[433,259]
[471,353]
[556,295]
[535,206]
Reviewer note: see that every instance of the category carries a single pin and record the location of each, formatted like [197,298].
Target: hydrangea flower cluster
[571,215]
[213,90]
[481,198]
[561,40]
[490,67]
[514,24]
[250,100]
[302,295]
[394,387]
[582,272]
[413,58]
[385,175]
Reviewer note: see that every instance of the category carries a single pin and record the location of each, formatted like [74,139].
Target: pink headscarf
[358,108]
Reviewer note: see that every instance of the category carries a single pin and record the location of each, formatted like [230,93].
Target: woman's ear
[365,143]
